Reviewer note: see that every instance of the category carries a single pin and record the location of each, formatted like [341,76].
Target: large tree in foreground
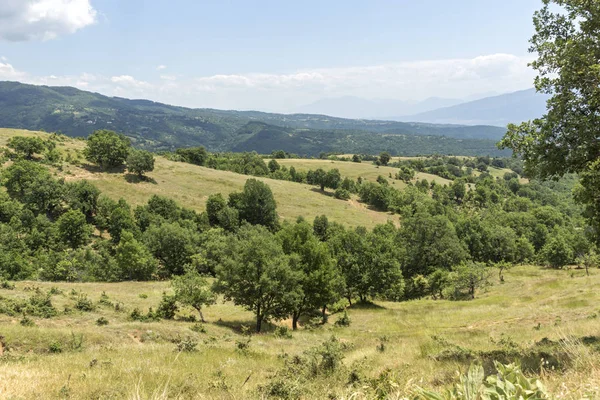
[107,148]
[567,138]
[256,275]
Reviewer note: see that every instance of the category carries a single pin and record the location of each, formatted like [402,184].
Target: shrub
[101,321]
[84,304]
[55,347]
[344,320]
[167,307]
[282,332]
[7,285]
[342,194]
[509,383]
[187,345]
[40,305]
[198,328]
[26,321]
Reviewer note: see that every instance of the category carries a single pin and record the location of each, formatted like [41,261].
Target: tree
[557,252]
[133,258]
[83,196]
[256,204]
[273,166]
[333,178]
[214,205]
[589,260]
[319,177]
[194,155]
[192,289]
[256,275]
[26,146]
[73,228]
[384,158]
[319,279]
[466,278]
[356,158]
[172,245]
[140,162]
[565,139]
[107,148]
[33,185]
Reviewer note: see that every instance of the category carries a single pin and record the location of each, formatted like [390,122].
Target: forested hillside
[158,126]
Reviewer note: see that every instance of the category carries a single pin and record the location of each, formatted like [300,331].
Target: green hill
[157,126]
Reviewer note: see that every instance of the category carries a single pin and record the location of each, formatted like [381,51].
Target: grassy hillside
[424,343]
[154,125]
[365,170]
[190,185]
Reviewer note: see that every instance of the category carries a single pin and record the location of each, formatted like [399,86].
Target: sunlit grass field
[190,186]
[130,360]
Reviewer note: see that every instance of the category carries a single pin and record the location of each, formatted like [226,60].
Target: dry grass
[365,170]
[190,186]
[138,360]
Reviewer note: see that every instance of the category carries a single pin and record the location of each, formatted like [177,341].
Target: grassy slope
[134,354]
[191,185]
[366,170]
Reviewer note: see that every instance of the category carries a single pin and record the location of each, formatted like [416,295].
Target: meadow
[190,186]
[390,347]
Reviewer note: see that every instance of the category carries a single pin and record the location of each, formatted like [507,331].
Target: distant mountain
[159,126]
[356,107]
[497,110]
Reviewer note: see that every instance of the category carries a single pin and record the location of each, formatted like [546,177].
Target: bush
[7,285]
[101,321]
[344,320]
[342,194]
[26,321]
[509,383]
[198,328]
[282,332]
[84,304]
[55,347]
[187,345]
[167,307]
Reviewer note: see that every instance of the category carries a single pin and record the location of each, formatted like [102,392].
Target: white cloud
[9,73]
[22,20]
[161,67]
[286,92]
[129,81]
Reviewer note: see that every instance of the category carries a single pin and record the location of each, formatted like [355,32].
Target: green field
[365,170]
[136,360]
[190,186]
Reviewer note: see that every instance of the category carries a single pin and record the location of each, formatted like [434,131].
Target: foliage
[257,275]
[26,146]
[193,290]
[107,148]
[140,161]
[508,383]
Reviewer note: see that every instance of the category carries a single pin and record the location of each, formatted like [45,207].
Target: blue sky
[271,55]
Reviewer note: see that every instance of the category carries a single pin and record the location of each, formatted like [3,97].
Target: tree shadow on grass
[324,193]
[93,168]
[366,305]
[133,178]
[239,326]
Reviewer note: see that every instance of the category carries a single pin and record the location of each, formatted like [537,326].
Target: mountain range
[496,110]
[159,126]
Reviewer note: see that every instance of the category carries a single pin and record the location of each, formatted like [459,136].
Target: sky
[269,55]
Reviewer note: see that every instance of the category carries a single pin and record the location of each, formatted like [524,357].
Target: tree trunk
[295,317]
[201,315]
[324,314]
[349,299]
[587,272]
